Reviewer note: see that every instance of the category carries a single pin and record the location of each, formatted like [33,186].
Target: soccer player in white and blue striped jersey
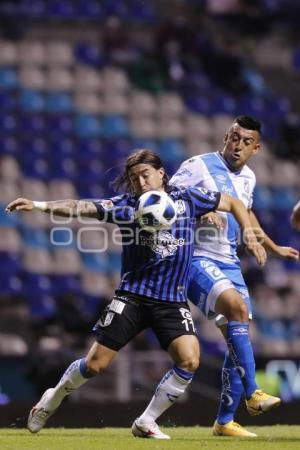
[216,284]
[153,287]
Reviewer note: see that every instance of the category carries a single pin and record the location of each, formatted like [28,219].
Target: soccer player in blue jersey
[216,284]
[153,287]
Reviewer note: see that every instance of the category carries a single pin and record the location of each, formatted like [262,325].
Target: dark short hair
[140,156]
[248,122]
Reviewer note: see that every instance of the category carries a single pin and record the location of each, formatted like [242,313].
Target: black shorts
[127,315]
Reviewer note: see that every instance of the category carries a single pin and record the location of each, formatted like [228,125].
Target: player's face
[240,145]
[144,177]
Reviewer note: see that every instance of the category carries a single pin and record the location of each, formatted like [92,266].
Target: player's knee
[240,311]
[95,366]
[191,363]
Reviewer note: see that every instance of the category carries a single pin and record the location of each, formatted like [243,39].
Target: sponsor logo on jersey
[162,243]
[182,172]
[209,194]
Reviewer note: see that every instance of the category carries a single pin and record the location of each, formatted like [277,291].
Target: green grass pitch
[183,438]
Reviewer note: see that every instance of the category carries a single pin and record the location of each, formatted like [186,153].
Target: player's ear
[225,138]
[256,148]
[161,171]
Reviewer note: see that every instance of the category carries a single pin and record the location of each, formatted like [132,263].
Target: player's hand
[287,253]
[212,218]
[254,247]
[20,204]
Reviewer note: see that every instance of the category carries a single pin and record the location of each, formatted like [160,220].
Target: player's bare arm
[237,208]
[271,246]
[212,218]
[63,208]
[295,217]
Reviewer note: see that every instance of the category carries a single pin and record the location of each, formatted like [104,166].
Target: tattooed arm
[64,208]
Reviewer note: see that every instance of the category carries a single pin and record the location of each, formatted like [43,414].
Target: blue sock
[241,353]
[232,390]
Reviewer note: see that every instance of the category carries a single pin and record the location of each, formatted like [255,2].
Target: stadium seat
[198,126]
[32,53]
[115,104]
[35,238]
[59,102]
[8,53]
[31,124]
[170,105]
[9,169]
[59,54]
[8,123]
[171,128]
[37,261]
[60,124]
[89,53]
[8,220]
[87,79]
[91,103]
[9,145]
[32,101]
[114,80]
[10,239]
[144,128]
[143,104]
[172,150]
[32,78]
[8,78]
[87,125]
[95,284]
[66,261]
[59,79]
[114,125]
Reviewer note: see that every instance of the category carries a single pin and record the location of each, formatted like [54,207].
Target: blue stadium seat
[87,125]
[89,53]
[9,145]
[63,284]
[8,122]
[10,263]
[115,126]
[8,78]
[32,101]
[10,285]
[90,147]
[114,262]
[199,104]
[60,9]
[37,238]
[145,143]
[283,198]
[142,11]
[36,285]
[86,189]
[62,238]
[253,106]
[59,102]
[262,198]
[7,100]
[97,262]
[35,168]
[32,123]
[41,307]
[171,150]
[34,146]
[8,220]
[60,123]
[225,104]
[116,7]
[62,147]
[89,9]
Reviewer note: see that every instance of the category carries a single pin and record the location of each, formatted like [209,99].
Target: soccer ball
[156,211]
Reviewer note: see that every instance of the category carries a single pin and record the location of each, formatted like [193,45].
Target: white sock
[72,379]
[170,388]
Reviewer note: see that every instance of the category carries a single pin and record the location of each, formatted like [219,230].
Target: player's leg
[118,324]
[232,391]
[184,350]
[77,374]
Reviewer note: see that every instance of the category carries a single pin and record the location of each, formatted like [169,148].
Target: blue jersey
[156,265]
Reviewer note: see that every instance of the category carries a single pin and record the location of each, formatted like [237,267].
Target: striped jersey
[156,265]
[210,171]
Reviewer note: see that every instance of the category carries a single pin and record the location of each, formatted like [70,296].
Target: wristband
[40,206]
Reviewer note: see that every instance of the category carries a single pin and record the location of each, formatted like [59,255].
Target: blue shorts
[209,278]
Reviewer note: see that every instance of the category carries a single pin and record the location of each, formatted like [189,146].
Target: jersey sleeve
[190,173]
[115,210]
[203,200]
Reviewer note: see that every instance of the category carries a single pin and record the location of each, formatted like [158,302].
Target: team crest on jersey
[104,322]
[246,186]
[180,207]
[163,243]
